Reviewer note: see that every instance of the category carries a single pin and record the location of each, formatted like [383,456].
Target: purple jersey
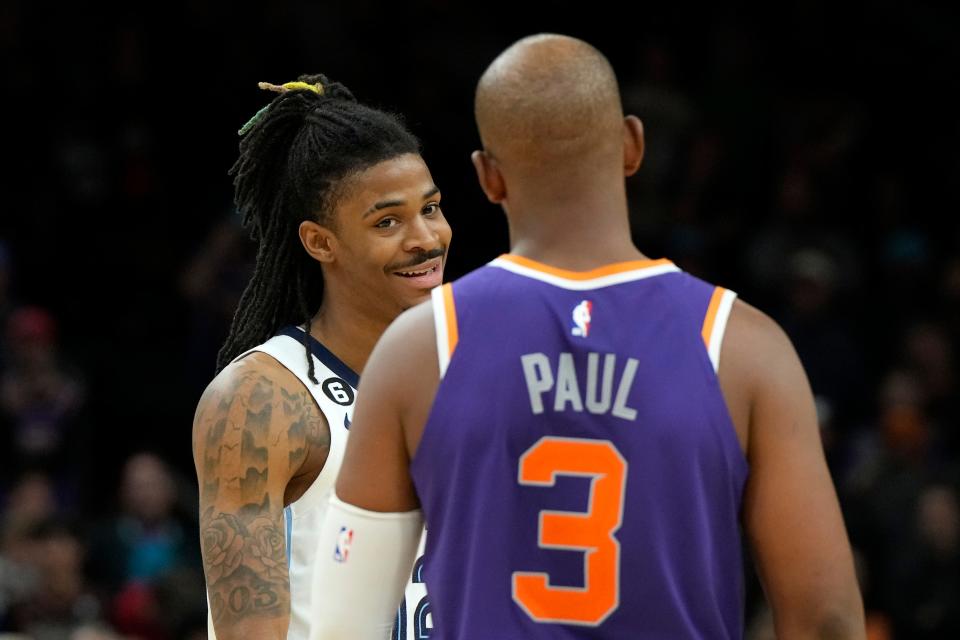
[579,472]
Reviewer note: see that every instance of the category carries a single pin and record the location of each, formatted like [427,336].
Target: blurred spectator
[791,226]
[30,501]
[928,349]
[39,395]
[926,585]
[29,504]
[147,538]
[824,340]
[61,601]
[891,463]
[146,543]
[896,446]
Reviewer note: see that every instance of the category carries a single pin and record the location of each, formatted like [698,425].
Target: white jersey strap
[445,322]
[288,351]
[715,322]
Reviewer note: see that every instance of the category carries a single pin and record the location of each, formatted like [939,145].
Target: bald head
[549,97]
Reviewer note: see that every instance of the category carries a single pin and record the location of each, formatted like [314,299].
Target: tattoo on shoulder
[237,427]
[308,430]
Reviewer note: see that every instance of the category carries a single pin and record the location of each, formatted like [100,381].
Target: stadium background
[805,155]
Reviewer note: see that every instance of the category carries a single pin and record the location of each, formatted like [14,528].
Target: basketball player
[585,429]
[350,233]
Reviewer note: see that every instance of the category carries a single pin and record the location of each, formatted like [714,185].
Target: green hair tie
[252,121]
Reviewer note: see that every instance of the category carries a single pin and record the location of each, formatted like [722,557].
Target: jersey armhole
[715,323]
[445,322]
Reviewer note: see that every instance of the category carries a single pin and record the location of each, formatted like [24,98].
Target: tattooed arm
[255,429]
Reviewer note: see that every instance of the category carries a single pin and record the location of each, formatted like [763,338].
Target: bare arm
[790,509]
[253,429]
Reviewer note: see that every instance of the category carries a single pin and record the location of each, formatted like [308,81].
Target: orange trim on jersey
[711,316]
[608,270]
[450,312]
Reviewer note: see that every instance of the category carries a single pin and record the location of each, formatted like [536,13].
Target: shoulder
[756,342]
[755,353]
[252,379]
[756,323]
[258,367]
[762,373]
[256,394]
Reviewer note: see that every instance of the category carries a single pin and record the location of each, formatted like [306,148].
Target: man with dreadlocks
[350,234]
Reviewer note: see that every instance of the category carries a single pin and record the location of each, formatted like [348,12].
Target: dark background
[803,155]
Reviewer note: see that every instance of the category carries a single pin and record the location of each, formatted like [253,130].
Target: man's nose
[420,236]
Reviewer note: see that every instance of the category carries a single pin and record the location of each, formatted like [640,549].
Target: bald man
[584,430]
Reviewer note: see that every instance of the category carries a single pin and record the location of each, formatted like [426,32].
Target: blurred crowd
[811,167]
[131,569]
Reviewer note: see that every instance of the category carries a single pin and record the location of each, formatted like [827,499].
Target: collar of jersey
[610,274]
[324,355]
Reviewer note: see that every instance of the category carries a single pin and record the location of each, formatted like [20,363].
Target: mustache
[420,258]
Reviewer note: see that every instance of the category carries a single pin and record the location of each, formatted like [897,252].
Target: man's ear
[319,241]
[489,176]
[632,145]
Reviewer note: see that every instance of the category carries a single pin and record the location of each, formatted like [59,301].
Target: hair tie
[292,86]
[282,88]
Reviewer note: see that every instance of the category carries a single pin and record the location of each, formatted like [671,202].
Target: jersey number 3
[591,532]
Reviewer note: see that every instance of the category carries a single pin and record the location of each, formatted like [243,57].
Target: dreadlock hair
[293,155]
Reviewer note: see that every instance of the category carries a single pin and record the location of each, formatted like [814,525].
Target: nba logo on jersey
[342,550]
[581,318]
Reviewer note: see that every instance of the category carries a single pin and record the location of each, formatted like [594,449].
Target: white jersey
[334,394]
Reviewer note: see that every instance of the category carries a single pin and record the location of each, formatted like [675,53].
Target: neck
[577,228]
[349,332]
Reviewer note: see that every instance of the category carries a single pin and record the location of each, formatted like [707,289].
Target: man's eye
[386,223]
[431,209]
